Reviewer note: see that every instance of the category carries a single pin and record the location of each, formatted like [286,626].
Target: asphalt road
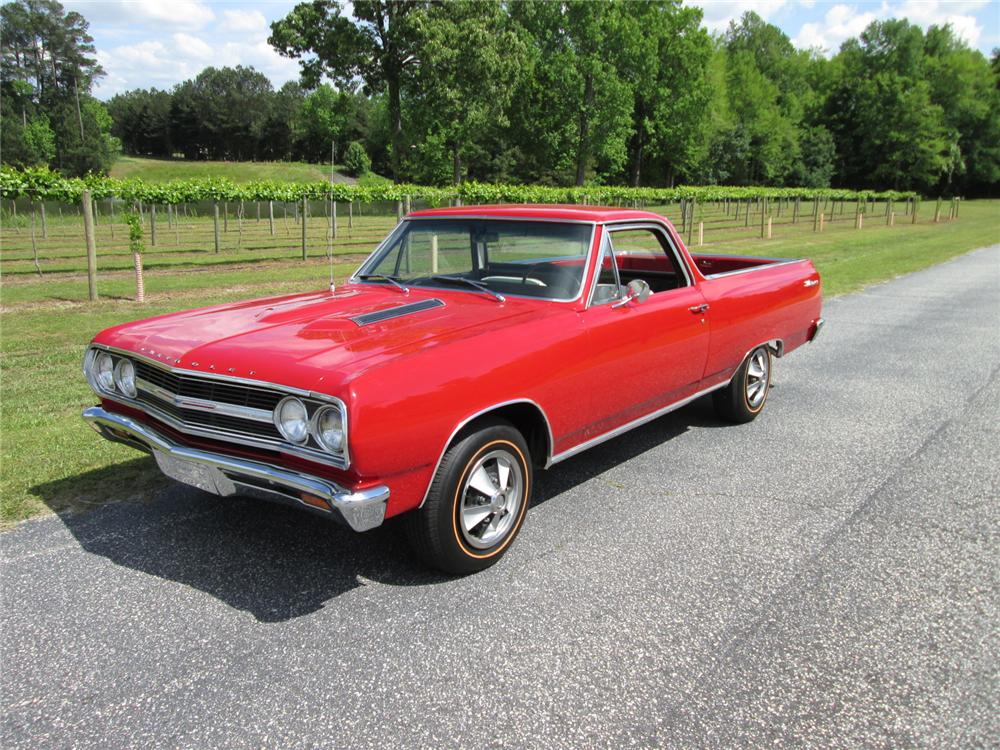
[828,575]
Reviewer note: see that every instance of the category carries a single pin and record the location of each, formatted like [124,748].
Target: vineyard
[214,224]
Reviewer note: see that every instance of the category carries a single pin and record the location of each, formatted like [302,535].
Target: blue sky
[143,43]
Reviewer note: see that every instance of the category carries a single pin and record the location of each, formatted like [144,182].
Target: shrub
[356,160]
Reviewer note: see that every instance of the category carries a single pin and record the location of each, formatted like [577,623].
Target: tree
[378,46]
[356,161]
[574,112]
[469,65]
[48,67]
[668,69]
[887,130]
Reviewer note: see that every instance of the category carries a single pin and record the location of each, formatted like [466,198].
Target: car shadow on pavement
[279,563]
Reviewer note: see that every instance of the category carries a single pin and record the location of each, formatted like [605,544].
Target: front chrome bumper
[227,475]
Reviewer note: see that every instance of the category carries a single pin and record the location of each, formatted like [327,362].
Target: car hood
[313,341]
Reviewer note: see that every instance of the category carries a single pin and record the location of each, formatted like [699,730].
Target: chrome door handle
[698,309]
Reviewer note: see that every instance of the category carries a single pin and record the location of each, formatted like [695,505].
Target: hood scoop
[396,312]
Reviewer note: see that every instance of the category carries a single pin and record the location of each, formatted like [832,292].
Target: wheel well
[528,419]
[777,346]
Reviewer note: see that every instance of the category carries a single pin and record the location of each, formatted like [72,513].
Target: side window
[645,253]
[608,286]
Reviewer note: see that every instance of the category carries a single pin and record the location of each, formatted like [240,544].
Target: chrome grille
[207,389]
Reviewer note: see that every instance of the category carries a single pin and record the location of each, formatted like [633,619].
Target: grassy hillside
[162,170]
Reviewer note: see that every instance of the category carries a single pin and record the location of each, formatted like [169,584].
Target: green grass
[50,461]
[162,170]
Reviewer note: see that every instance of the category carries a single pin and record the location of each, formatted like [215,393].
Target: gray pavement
[826,576]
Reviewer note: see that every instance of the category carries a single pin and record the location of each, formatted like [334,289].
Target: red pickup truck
[473,347]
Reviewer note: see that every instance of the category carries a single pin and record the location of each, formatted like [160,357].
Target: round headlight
[292,420]
[328,428]
[125,377]
[104,372]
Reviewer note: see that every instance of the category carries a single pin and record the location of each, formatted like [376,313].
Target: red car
[474,346]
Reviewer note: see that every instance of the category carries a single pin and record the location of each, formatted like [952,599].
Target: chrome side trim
[362,510]
[631,425]
[200,404]
[770,264]
[481,412]
[398,311]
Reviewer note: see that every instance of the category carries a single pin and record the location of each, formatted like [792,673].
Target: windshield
[527,258]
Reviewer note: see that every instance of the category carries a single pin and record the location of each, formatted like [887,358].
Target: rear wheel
[477,501]
[744,398]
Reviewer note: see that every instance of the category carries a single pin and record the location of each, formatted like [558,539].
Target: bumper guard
[227,475]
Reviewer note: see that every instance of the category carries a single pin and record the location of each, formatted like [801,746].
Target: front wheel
[477,501]
[744,398]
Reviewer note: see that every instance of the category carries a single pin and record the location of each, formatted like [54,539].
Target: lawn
[50,461]
[162,170]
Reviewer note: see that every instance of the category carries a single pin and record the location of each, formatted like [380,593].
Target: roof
[542,211]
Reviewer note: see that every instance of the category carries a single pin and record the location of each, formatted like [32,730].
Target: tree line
[569,93]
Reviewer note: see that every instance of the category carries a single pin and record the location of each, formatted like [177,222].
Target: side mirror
[637,290]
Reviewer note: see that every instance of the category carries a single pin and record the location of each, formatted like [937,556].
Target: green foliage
[41,184]
[356,161]
[134,223]
[47,68]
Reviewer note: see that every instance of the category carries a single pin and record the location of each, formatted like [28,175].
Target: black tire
[437,531]
[734,402]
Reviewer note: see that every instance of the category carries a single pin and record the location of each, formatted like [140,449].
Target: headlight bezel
[99,373]
[316,430]
[279,422]
[129,392]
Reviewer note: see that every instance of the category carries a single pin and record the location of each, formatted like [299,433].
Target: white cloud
[719,13]
[192,46]
[244,20]
[839,23]
[844,21]
[132,14]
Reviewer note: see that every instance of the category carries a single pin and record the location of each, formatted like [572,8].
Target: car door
[646,355]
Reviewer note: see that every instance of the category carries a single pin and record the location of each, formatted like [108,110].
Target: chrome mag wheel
[491,499]
[758,378]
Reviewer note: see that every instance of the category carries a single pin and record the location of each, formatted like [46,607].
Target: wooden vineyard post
[763,212]
[913,213]
[215,214]
[88,232]
[701,233]
[399,211]
[769,227]
[937,212]
[303,212]
[958,202]
[690,219]
[350,215]
[152,224]
[270,217]
[258,212]
[795,211]
[822,218]
[892,218]
[746,214]
[407,205]
[859,221]
[888,213]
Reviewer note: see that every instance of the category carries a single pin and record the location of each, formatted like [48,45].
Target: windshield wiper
[471,282]
[392,280]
